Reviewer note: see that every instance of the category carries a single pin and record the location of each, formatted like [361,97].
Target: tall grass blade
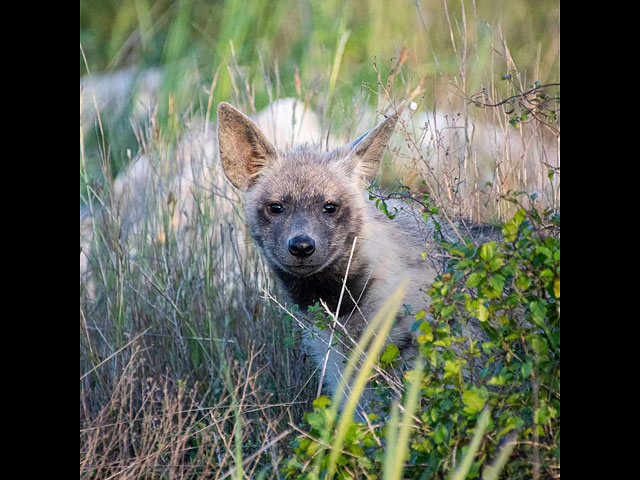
[491,472]
[335,69]
[467,461]
[380,327]
[398,441]
[392,442]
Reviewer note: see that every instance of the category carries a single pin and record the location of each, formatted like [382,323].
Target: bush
[511,289]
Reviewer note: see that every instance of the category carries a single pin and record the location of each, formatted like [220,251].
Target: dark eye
[330,208]
[276,208]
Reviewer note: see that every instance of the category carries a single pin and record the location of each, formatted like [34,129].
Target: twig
[114,353]
[335,318]
[257,453]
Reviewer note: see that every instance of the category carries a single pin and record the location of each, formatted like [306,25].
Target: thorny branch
[535,102]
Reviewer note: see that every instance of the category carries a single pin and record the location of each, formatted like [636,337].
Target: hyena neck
[326,286]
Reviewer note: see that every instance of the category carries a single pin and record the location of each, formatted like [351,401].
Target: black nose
[302,246]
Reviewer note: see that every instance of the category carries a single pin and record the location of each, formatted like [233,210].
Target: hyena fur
[304,210]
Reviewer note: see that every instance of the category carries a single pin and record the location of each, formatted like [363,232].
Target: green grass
[186,369]
[282,48]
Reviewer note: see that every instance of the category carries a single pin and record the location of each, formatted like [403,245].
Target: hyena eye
[330,208]
[276,208]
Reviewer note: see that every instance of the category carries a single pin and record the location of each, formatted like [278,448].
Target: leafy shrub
[509,290]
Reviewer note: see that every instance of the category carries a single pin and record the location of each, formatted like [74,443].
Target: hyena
[305,208]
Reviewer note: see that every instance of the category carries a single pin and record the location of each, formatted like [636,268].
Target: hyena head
[303,207]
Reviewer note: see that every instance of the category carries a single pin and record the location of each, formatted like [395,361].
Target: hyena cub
[305,208]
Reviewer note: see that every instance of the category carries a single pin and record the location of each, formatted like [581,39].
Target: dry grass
[172,383]
[157,427]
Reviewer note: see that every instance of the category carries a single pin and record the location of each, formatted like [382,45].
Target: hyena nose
[302,246]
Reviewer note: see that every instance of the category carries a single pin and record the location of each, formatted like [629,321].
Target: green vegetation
[303,36]
[337,55]
[190,360]
[508,381]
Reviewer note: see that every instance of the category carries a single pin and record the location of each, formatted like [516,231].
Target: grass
[188,367]
[274,49]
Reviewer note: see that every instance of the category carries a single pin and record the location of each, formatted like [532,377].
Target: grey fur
[302,181]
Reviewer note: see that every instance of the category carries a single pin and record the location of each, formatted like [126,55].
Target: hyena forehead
[306,174]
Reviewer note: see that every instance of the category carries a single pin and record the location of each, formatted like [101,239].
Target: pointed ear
[244,150]
[365,153]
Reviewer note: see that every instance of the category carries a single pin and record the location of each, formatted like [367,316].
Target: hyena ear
[365,153]
[244,150]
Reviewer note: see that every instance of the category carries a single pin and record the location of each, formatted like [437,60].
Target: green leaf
[546,275]
[497,283]
[487,250]
[452,368]
[474,279]
[315,420]
[321,402]
[538,310]
[523,282]
[496,263]
[389,355]
[447,312]
[539,346]
[510,231]
[440,434]
[544,251]
[483,313]
[498,380]
[473,401]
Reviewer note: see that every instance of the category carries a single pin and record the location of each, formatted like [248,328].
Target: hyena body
[306,210]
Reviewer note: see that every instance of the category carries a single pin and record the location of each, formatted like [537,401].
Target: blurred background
[331,53]
[303,35]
